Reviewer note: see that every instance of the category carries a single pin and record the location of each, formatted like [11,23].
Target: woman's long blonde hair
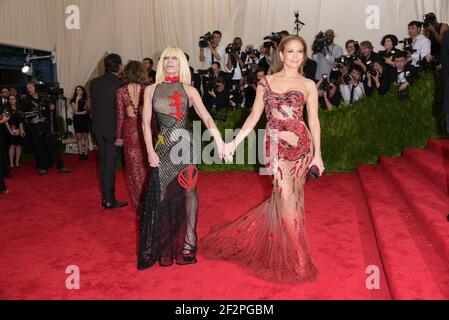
[184,72]
[279,64]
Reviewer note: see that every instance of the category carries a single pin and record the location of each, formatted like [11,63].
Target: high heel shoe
[185,259]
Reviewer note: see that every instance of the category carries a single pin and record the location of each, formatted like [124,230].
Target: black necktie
[352,95]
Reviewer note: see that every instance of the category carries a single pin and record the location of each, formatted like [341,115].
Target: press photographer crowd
[228,80]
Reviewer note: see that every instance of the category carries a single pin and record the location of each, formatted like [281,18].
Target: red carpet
[392,215]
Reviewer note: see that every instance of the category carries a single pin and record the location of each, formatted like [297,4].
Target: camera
[205,40]
[408,45]
[252,51]
[319,43]
[232,48]
[347,79]
[206,72]
[269,41]
[371,69]
[344,61]
[429,66]
[388,55]
[429,19]
[55,91]
[324,83]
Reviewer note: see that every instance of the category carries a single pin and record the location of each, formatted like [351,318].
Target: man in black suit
[445,61]
[103,103]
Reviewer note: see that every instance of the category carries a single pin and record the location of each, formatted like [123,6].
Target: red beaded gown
[129,129]
[270,241]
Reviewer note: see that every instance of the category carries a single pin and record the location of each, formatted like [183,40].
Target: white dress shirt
[359,92]
[422,45]
[207,63]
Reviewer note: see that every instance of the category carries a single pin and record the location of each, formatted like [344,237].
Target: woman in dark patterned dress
[169,215]
[129,128]
[270,241]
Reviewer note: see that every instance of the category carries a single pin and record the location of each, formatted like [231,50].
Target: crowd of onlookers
[230,74]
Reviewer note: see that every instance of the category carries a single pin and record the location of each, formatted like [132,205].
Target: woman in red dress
[129,128]
[270,241]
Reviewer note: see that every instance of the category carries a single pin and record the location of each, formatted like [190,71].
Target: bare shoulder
[150,89]
[191,91]
[309,85]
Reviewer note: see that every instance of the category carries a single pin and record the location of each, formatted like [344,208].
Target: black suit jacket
[445,61]
[3,105]
[103,103]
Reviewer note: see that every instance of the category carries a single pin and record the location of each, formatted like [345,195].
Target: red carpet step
[399,239]
[423,199]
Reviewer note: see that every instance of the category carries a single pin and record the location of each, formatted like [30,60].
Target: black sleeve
[336,99]
[368,90]
[27,106]
[410,74]
[385,84]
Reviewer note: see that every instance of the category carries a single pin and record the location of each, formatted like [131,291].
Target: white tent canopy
[139,28]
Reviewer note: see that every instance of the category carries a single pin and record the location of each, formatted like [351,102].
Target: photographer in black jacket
[378,78]
[38,112]
[405,74]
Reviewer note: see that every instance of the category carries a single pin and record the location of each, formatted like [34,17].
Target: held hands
[153,159]
[119,143]
[229,151]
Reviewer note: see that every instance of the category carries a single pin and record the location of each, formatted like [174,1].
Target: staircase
[408,200]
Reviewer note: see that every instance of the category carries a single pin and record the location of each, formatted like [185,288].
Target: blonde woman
[169,212]
[270,240]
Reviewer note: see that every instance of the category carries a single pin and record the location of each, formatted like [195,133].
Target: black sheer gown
[169,212]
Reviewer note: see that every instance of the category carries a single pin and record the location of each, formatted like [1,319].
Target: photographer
[367,55]
[218,95]
[352,47]
[378,78]
[352,88]
[264,59]
[434,31]
[251,78]
[213,51]
[405,74]
[325,53]
[344,63]
[38,112]
[329,93]
[272,42]
[148,65]
[211,76]
[421,45]
[236,60]
[389,42]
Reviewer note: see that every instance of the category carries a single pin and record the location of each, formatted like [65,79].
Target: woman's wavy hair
[135,73]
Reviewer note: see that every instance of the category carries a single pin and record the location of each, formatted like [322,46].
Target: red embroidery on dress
[191,180]
[177,103]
